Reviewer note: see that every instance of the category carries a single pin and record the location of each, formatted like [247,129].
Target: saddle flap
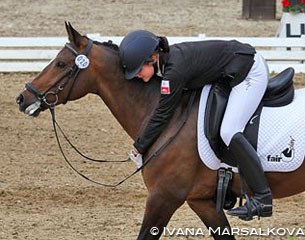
[217,101]
[215,109]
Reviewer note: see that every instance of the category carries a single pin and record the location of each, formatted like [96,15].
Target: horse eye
[61,64]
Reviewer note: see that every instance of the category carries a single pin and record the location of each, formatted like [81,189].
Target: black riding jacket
[191,65]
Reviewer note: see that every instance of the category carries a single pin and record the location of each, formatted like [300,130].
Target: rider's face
[146,72]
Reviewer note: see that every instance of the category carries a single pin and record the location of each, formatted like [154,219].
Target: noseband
[80,62]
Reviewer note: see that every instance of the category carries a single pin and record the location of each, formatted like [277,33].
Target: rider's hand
[135,156]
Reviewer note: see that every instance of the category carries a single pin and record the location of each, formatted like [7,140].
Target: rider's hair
[163,45]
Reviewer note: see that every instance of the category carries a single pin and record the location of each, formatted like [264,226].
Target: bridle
[82,62]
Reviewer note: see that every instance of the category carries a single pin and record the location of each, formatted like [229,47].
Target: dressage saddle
[280,92]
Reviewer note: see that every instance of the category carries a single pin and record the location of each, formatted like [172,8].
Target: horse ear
[73,35]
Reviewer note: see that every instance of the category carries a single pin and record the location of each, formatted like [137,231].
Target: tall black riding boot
[251,168]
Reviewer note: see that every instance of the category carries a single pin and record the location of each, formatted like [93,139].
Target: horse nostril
[19,99]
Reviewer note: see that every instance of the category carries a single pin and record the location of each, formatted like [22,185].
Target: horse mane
[108,44]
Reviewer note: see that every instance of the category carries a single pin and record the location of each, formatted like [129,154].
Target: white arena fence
[32,54]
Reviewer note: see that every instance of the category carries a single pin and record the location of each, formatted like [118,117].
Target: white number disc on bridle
[82,61]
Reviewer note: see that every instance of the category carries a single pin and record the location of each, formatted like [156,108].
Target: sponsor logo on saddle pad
[287,155]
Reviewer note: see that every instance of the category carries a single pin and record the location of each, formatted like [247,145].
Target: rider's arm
[162,113]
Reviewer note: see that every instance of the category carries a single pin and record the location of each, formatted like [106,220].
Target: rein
[75,148]
[82,62]
[169,140]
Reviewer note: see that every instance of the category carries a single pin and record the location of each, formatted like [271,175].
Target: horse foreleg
[159,209]
[217,223]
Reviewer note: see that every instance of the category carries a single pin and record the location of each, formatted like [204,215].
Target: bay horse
[177,174]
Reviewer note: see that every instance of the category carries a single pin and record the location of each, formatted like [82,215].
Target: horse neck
[131,102]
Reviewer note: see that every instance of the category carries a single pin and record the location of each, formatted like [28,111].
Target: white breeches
[244,100]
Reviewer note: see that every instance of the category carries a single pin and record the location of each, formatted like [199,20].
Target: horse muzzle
[29,106]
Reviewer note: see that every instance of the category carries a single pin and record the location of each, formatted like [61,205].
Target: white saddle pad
[281,138]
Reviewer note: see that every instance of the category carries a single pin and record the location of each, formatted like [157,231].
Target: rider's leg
[243,101]
[251,168]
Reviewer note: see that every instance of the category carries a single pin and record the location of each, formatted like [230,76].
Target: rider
[191,65]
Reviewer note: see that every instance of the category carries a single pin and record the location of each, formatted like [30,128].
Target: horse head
[69,76]
[84,66]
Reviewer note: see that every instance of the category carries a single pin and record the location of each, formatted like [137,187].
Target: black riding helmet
[135,49]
